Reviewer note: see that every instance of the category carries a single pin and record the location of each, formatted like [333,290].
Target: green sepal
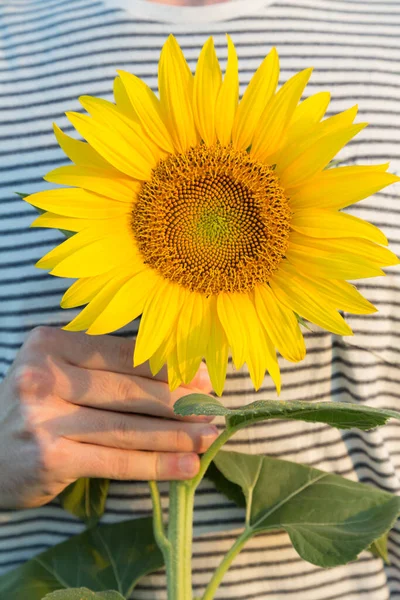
[379,548]
[303,322]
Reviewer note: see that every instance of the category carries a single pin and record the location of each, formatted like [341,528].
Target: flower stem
[177,546]
[224,565]
[158,525]
[180,528]
[209,455]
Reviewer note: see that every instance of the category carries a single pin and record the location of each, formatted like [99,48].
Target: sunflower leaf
[329,519]
[83,594]
[86,499]
[106,557]
[337,414]
[225,486]
[199,404]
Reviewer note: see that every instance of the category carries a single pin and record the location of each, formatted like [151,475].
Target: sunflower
[217,221]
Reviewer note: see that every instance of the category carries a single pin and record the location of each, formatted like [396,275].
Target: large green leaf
[86,499]
[83,594]
[338,414]
[102,558]
[228,488]
[329,519]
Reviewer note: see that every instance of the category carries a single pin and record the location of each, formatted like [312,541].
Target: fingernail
[188,464]
[208,435]
[211,431]
[204,418]
[203,378]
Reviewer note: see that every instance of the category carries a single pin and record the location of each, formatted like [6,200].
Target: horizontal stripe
[55,50]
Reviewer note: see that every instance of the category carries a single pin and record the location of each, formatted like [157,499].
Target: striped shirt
[53,51]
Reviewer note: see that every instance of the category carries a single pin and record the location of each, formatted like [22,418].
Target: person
[72,405]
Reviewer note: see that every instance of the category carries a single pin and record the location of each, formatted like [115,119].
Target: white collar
[220,11]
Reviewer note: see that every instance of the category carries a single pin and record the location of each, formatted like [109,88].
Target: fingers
[103,353]
[117,392]
[133,432]
[97,461]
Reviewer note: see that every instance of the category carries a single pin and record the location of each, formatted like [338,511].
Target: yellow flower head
[216,220]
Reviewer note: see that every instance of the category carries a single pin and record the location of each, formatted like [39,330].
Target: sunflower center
[212,220]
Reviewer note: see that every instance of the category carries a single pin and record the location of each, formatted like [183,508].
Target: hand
[72,406]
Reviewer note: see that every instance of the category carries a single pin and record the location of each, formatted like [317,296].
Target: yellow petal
[338,121]
[111,145]
[280,324]
[72,244]
[342,295]
[345,296]
[174,376]
[349,297]
[302,126]
[79,152]
[98,180]
[159,316]
[271,363]
[126,304]
[260,352]
[229,312]
[331,265]
[372,253]
[106,113]
[259,92]
[294,292]
[340,187]
[98,257]
[308,114]
[322,223]
[277,116]
[55,221]
[148,109]
[337,294]
[122,100]
[247,337]
[175,82]
[84,290]
[227,101]
[193,331]
[217,350]
[78,203]
[160,356]
[207,83]
[97,305]
[317,156]
[294,146]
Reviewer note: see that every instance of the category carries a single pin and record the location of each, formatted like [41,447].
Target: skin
[73,406]
[189,2]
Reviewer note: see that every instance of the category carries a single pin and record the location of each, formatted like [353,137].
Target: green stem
[180,528]
[158,524]
[177,547]
[225,564]
[209,455]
